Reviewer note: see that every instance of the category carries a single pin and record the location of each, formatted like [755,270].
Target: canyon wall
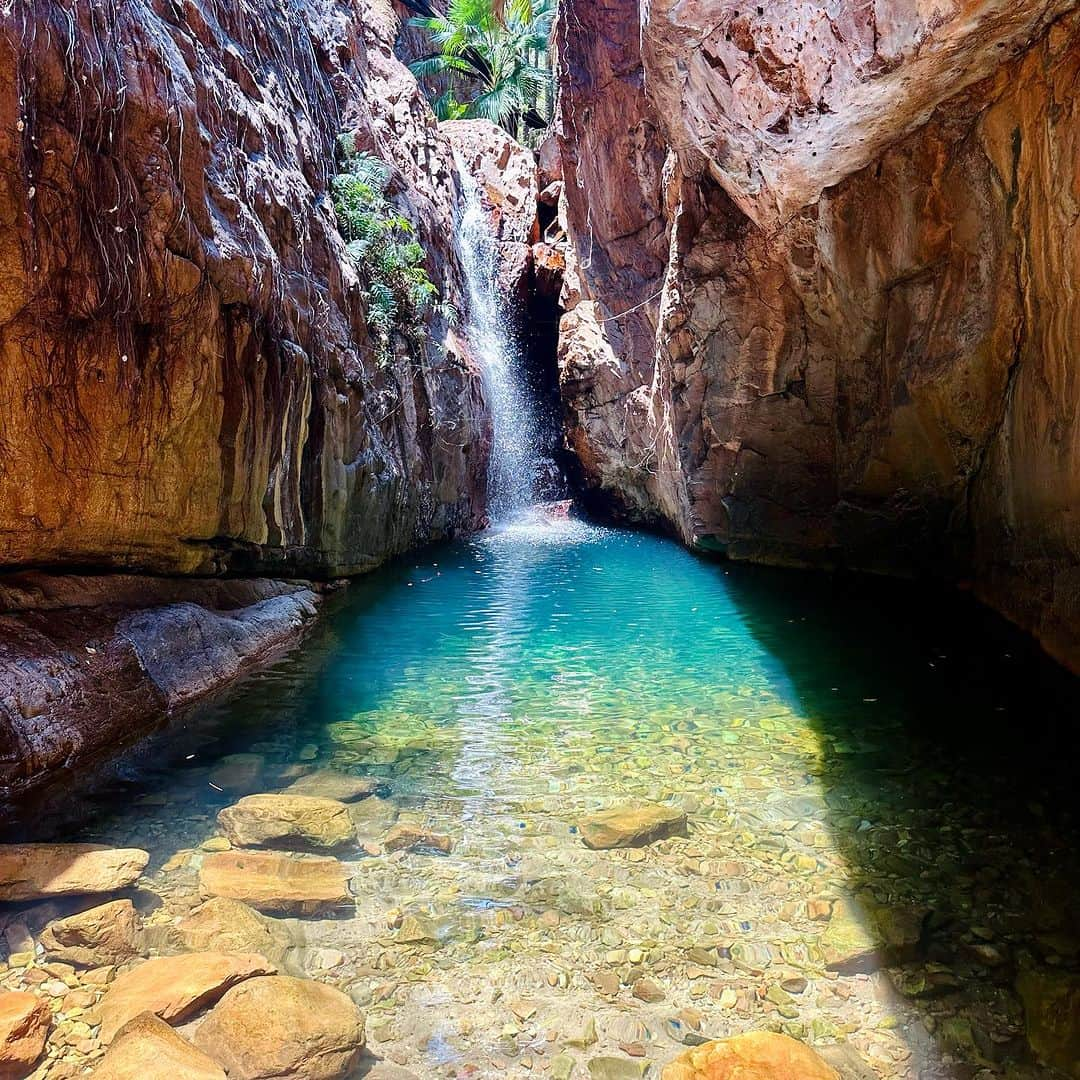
[821,304]
[188,388]
[186,381]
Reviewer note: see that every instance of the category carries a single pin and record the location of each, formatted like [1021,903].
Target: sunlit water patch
[874,781]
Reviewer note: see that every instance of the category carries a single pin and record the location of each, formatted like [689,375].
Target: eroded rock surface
[186,375]
[829,317]
[107,934]
[289,821]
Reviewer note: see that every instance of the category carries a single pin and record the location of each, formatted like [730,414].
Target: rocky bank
[828,318]
[187,385]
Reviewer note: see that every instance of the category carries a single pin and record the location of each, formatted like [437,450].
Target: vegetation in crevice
[490,60]
[399,297]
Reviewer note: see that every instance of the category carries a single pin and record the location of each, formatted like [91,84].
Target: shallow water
[865,742]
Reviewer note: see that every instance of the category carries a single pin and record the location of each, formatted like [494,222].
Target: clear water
[514,472]
[905,752]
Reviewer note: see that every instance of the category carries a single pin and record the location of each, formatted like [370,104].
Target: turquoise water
[828,741]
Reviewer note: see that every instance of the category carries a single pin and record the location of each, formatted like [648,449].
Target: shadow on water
[949,753]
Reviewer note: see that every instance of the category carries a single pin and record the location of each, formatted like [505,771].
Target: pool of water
[855,748]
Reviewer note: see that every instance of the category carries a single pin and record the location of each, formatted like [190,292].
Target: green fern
[398,294]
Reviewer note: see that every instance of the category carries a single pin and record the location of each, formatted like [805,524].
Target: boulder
[175,987]
[848,944]
[631,826]
[415,838]
[224,925]
[269,1028]
[37,871]
[237,772]
[146,1048]
[277,882]
[329,784]
[286,820]
[107,934]
[1052,1017]
[757,1055]
[24,1027]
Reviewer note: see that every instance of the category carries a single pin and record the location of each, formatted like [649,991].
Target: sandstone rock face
[108,934]
[506,175]
[828,320]
[36,871]
[276,882]
[25,1020]
[175,987]
[757,1055]
[631,826]
[185,369]
[269,1028]
[290,821]
[146,1047]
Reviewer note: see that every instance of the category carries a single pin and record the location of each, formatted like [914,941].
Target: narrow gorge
[537,539]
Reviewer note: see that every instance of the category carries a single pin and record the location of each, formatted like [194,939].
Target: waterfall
[514,471]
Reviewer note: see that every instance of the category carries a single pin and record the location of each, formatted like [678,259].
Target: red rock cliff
[822,307]
[186,383]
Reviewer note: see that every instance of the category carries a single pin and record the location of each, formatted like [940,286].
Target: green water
[864,742]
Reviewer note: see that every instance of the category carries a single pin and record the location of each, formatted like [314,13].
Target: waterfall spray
[514,472]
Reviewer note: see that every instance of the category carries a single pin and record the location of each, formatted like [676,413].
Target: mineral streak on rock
[829,318]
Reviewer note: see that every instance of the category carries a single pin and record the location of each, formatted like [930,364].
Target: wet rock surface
[275,1027]
[756,1056]
[147,1047]
[37,871]
[815,328]
[288,821]
[276,882]
[24,1026]
[175,987]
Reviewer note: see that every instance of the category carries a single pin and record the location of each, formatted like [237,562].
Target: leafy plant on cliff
[398,294]
[492,55]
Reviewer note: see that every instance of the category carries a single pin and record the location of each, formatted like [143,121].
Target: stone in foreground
[757,1055]
[631,826]
[223,925]
[24,1027]
[146,1048]
[38,871]
[107,934]
[277,883]
[328,784]
[287,821]
[176,987]
[269,1028]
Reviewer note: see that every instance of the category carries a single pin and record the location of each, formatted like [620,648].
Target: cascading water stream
[515,468]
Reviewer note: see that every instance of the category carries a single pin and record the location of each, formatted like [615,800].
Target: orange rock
[276,1027]
[146,1048]
[277,882]
[176,987]
[36,871]
[24,1026]
[757,1055]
